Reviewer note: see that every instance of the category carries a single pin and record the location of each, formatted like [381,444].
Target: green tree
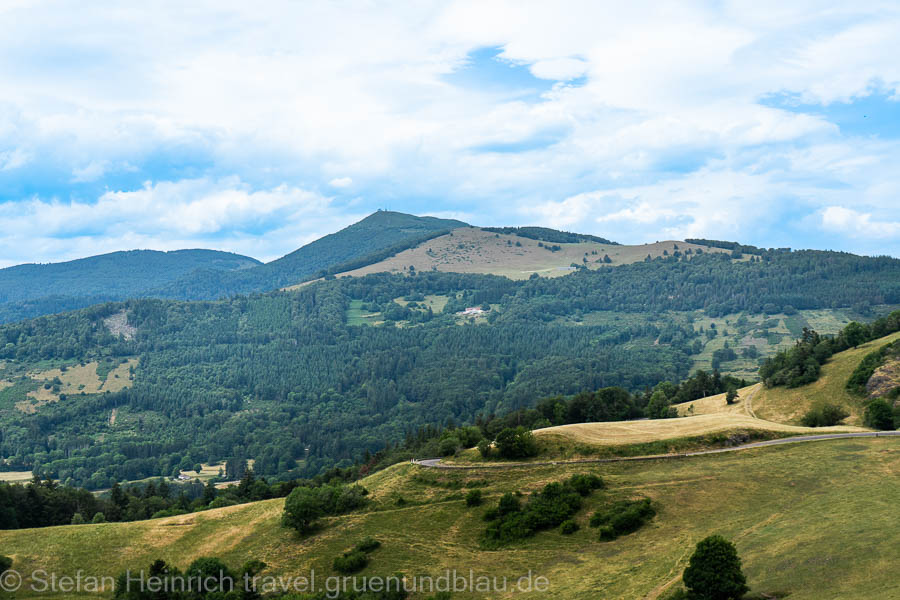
[484,448]
[5,564]
[516,443]
[77,519]
[99,518]
[301,509]
[714,571]
[658,407]
[879,415]
[474,498]
[731,396]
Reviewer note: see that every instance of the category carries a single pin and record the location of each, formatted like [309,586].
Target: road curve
[435,463]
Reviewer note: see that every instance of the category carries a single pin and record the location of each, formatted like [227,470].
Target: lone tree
[731,396]
[714,572]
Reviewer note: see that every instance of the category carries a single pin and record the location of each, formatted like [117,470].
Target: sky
[258,127]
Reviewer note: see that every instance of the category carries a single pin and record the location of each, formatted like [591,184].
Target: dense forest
[32,290]
[286,380]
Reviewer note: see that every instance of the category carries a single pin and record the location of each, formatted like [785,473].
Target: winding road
[435,463]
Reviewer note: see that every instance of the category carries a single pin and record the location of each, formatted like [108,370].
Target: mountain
[35,289]
[491,251]
[381,234]
[300,381]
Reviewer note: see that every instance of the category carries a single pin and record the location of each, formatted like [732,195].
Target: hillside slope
[31,290]
[28,291]
[788,405]
[379,235]
[476,250]
[785,508]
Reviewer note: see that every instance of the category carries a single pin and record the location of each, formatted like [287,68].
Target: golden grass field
[473,250]
[651,430]
[794,512]
[15,476]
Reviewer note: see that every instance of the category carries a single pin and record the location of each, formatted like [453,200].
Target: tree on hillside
[5,564]
[714,572]
[516,443]
[658,407]
[731,396]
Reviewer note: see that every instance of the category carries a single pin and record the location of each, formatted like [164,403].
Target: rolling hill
[788,405]
[477,250]
[784,507]
[31,290]
[28,291]
[305,380]
[376,237]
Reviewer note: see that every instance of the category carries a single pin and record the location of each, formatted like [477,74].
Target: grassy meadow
[793,512]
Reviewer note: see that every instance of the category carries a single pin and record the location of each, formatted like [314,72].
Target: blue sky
[257,129]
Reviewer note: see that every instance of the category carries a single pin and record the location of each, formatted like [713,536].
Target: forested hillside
[32,290]
[376,237]
[299,381]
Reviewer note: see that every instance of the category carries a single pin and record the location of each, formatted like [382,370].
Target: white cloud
[844,220]
[224,214]
[559,69]
[90,172]
[13,159]
[341,182]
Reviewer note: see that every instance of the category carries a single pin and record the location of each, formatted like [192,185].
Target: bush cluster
[219,581]
[556,503]
[357,559]
[824,415]
[622,518]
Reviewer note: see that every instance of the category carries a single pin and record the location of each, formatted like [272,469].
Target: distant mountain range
[32,290]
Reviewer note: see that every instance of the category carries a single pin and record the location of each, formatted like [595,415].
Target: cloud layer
[256,129]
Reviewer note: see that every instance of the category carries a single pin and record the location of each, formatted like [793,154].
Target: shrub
[825,415]
[714,572]
[584,484]
[568,527]
[448,446]
[879,415]
[99,518]
[474,498]
[5,564]
[77,519]
[509,503]
[516,443]
[351,562]
[607,533]
[369,544]
[484,448]
[622,518]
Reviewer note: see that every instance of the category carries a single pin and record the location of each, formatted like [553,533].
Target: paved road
[435,463]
